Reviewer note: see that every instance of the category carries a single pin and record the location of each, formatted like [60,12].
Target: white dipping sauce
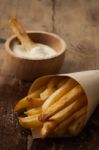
[40,52]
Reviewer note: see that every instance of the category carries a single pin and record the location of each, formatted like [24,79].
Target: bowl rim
[9,40]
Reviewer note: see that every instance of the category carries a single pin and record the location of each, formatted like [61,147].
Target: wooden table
[77,21]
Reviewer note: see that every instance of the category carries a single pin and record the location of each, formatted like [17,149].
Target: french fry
[69,110]
[33,111]
[30,99]
[41,83]
[62,127]
[53,82]
[50,125]
[35,102]
[76,126]
[18,29]
[30,121]
[51,87]
[59,93]
[27,102]
[46,93]
[47,128]
[66,100]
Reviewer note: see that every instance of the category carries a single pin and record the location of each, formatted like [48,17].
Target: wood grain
[12,136]
[78,23]
[73,23]
[35,15]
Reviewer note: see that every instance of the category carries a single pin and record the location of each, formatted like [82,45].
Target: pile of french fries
[58,107]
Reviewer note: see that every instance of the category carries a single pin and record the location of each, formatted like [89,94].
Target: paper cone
[89,81]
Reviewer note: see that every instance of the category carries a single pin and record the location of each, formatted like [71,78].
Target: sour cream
[41,51]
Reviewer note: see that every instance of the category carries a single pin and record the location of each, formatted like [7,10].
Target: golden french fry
[40,84]
[33,111]
[62,127]
[50,125]
[35,102]
[51,87]
[30,99]
[30,121]
[28,103]
[69,110]
[64,101]
[47,128]
[76,126]
[53,82]
[46,93]
[21,104]
[18,29]
[59,93]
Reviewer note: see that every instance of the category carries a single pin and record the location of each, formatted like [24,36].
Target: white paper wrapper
[89,81]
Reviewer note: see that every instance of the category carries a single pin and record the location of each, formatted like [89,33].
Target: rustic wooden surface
[78,23]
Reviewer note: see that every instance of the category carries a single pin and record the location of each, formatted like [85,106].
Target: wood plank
[71,23]
[35,15]
[7,9]
[12,136]
[92,16]
[78,62]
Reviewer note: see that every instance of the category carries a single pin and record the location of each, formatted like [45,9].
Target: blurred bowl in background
[29,69]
